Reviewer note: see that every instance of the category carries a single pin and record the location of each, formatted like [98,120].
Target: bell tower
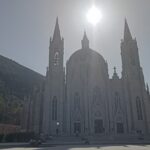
[54,86]
[133,81]
[130,55]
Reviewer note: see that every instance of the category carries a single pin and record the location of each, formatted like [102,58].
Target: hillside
[16,81]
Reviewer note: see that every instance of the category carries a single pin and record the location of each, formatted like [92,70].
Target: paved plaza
[100,147]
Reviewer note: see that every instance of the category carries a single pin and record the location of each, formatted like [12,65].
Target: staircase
[64,140]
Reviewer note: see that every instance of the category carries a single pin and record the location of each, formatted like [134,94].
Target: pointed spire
[85,41]
[127,33]
[85,36]
[57,31]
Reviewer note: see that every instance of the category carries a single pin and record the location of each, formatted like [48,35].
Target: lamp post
[57,129]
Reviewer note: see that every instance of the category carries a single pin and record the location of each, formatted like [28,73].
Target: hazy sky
[26,27]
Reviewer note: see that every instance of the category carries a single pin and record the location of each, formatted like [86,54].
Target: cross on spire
[85,41]
[114,69]
[115,75]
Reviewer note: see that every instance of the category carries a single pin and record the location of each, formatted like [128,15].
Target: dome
[88,55]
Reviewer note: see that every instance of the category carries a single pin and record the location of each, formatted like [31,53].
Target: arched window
[139,109]
[56,59]
[54,108]
[117,101]
[76,101]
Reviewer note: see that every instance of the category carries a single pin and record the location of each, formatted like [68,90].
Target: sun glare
[94,15]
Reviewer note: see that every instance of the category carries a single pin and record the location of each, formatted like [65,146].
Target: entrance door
[77,127]
[98,126]
[120,128]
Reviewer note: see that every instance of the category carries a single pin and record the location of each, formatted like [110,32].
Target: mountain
[16,82]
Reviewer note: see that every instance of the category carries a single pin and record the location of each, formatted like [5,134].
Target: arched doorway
[98,126]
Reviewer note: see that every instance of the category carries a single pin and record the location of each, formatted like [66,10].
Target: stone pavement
[83,147]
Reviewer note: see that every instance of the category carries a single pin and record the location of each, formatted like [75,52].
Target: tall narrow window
[117,102]
[139,109]
[56,59]
[54,108]
[77,101]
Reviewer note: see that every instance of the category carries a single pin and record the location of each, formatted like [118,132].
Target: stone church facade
[81,98]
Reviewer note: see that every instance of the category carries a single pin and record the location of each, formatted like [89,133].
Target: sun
[94,15]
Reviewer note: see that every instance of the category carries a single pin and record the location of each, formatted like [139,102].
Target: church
[81,99]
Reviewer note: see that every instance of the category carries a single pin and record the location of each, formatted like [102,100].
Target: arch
[139,108]
[54,108]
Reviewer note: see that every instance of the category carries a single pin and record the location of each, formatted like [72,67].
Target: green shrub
[19,137]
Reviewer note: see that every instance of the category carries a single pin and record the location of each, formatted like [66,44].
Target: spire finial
[85,33]
[85,41]
[115,75]
[127,33]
